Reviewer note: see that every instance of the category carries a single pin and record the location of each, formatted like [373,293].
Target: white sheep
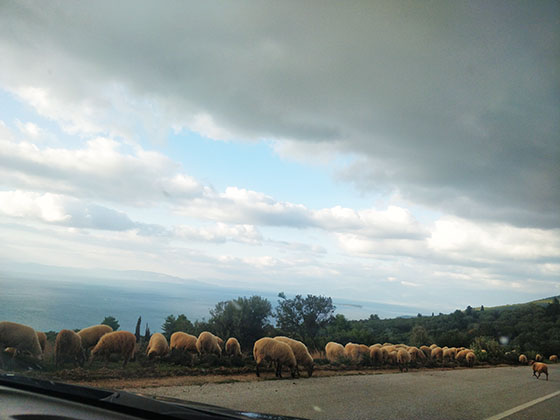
[233,348]
[90,336]
[334,351]
[183,342]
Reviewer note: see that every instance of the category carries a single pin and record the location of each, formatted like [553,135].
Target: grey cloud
[448,103]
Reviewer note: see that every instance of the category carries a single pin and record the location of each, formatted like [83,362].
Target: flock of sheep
[100,341]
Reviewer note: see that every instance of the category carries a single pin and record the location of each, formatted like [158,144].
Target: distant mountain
[541,302]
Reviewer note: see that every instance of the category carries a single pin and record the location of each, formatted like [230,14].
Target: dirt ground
[201,378]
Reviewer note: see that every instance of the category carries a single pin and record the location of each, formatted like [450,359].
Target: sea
[52,299]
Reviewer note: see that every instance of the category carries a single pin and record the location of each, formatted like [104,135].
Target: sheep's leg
[258,374]
[546,373]
[279,370]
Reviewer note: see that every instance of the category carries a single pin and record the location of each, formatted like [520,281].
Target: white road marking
[523,406]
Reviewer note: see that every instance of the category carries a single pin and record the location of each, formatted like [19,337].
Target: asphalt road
[429,394]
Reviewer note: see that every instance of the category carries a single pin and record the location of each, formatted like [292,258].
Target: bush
[487,349]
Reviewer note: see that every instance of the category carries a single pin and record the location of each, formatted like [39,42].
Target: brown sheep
[90,336]
[121,342]
[553,358]
[377,355]
[356,352]
[220,342]
[427,351]
[157,346]
[437,354]
[539,368]
[303,358]
[538,358]
[522,359]
[334,351]
[183,342]
[11,351]
[461,355]
[42,337]
[21,337]
[392,357]
[233,348]
[207,343]
[470,358]
[68,346]
[269,350]
[403,359]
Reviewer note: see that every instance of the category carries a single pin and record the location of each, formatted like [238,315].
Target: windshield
[181,183]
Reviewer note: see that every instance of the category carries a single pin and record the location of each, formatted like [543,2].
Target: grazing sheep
[392,357]
[269,350]
[21,337]
[233,348]
[90,336]
[427,351]
[437,354]
[538,358]
[522,359]
[334,351]
[121,342]
[433,346]
[470,358]
[68,346]
[553,358]
[157,346]
[303,358]
[539,368]
[376,345]
[183,342]
[42,337]
[449,354]
[220,342]
[377,355]
[461,355]
[403,359]
[207,343]
[356,352]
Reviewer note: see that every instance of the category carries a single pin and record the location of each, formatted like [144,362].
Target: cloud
[463,120]
[219,233]
[62,210]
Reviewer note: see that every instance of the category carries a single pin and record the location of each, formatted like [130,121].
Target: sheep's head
[310,369]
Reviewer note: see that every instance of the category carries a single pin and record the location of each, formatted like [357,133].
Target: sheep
[303,358]
[553,358]
[208,343]
[538,358]
[377,355]
[356,352]
[68,346]
[334,351]
[220,342]
[539,368]
[392,357]
[449,354]
[470,358]
[157,346]
[433,346]
[183,342]
[403,359]
[21,337]
[122,342]
[426,350]
[90,336]
[233,348]
[461,355]
[269,350]
[437,354]
[42,337]
[522,359]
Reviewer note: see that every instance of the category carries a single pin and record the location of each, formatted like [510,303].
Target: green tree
[303,317]
[419,336]
[137,331]
[246,319]
[172,324]
[111,322]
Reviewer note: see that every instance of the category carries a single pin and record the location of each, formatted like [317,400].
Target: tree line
[312,319]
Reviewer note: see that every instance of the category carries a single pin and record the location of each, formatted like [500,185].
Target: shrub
[487,349]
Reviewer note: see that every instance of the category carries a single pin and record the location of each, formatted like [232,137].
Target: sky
[392,151]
